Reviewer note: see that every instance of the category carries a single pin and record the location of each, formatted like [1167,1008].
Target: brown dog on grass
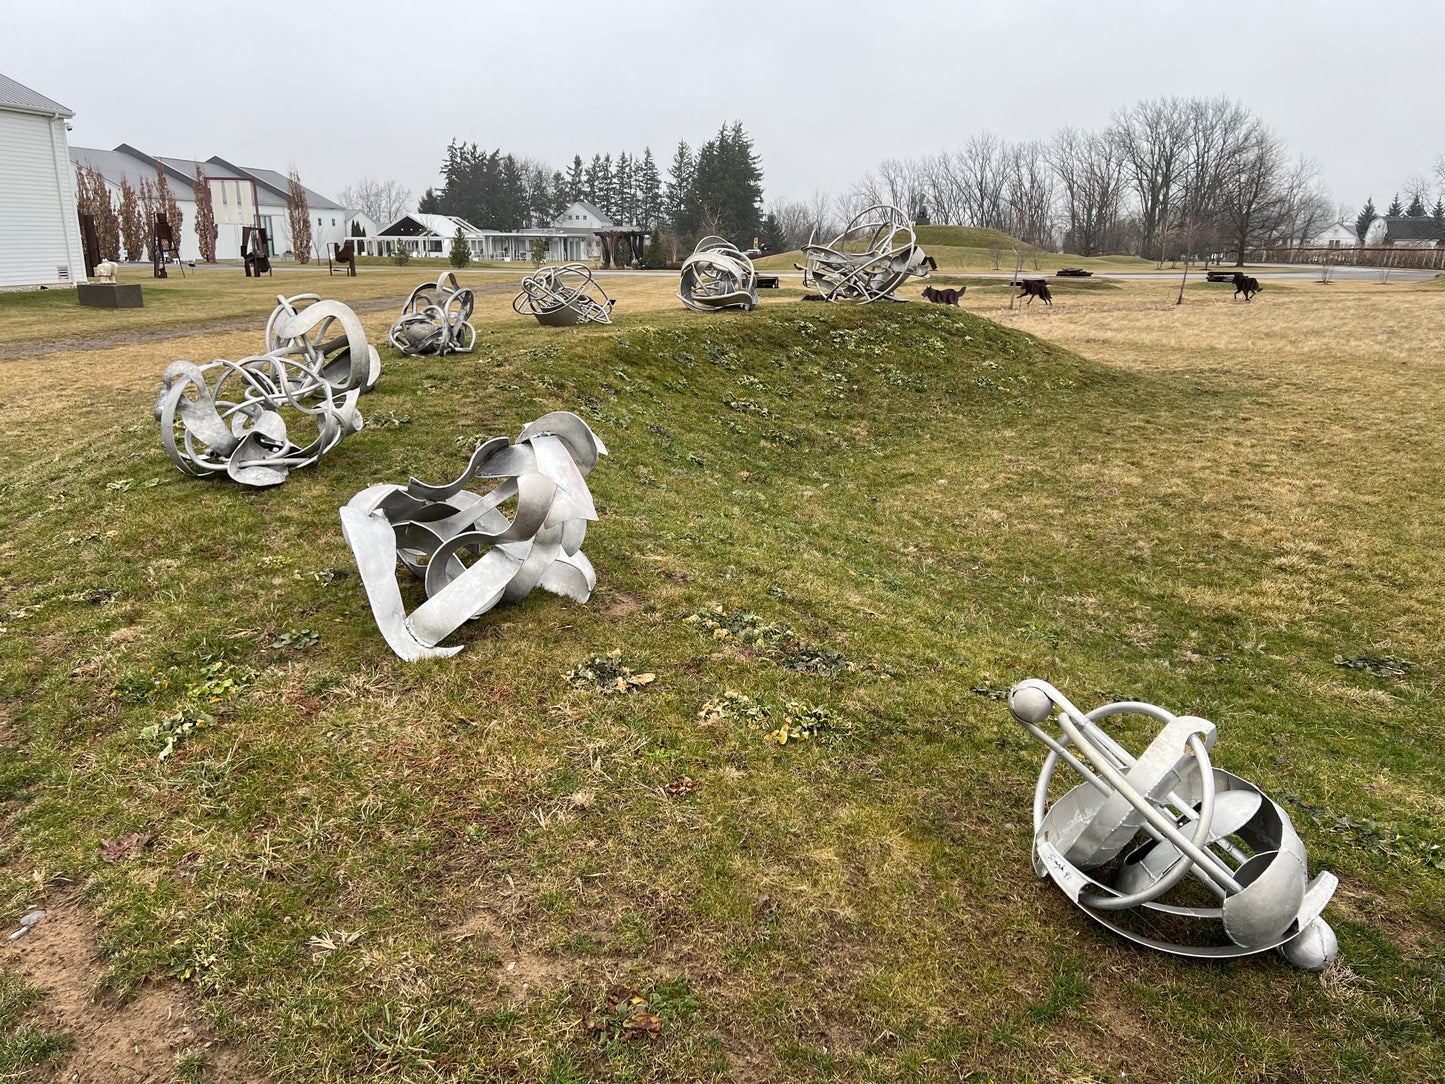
[944,297]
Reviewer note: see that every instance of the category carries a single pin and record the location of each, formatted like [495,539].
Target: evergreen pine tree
[622,185]
[1367,215]
[1416,208]
[726,191]
[607,188]
[1394,211]
[1437,214]
[576,180]
[656,255]
[590,180]
[772,236]
[429,204]
[561,196]
[649,190]
[461,254]
[680,175]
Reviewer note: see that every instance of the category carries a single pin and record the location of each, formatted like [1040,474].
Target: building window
[333,221]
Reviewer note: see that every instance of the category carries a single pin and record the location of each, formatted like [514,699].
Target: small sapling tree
[461,253]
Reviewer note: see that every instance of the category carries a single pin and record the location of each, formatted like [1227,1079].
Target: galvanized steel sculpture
[718,276]
[237,425]
[560,295]
[874,255]
[429,527]
[1198,821]
[436,319]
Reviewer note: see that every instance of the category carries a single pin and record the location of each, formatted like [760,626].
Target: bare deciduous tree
[298,214]
[795,220]
[132,222]
[381,201]
[92,197]
[1151,138]
[1091,172]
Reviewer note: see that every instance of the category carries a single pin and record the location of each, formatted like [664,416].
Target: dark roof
[1405,228]
[16,96]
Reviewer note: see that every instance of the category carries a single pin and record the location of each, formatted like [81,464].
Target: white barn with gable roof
[40,241]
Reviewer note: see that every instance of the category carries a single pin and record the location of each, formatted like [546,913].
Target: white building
[240,196]
[40,241]
[1337,235]
[572,236]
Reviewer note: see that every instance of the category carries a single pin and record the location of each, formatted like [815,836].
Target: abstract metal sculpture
[430,527]
[558,295]
[254,249]
[436,319]
[1199,822]
[874,255]
[237,425]
[718,276]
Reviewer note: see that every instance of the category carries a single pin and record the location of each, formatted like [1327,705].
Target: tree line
[717,188]
[1165,177]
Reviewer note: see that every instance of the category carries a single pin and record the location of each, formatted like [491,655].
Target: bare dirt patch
[138,1041]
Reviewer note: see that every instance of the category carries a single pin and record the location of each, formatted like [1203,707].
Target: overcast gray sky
[825,88]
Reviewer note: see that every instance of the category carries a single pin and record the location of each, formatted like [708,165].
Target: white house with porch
[40,241]
[572,236]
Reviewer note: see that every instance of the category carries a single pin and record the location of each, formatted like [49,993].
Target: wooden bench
[767,282]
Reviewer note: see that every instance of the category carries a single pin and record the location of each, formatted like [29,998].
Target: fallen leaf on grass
[112,850]
[628,1016]
[645,1023]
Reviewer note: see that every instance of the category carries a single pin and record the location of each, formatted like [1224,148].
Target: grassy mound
[835,537]
[931,237]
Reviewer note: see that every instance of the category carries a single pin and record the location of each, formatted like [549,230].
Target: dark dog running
[944,297]
[1246,284]
[1032,288]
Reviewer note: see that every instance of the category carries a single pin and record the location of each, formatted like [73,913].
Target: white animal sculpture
[106,269]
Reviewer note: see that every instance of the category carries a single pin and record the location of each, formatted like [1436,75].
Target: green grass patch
[380,871]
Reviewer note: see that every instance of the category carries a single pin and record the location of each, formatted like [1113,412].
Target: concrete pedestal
[110,295]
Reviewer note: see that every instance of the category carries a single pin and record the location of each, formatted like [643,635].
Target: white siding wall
[39,231]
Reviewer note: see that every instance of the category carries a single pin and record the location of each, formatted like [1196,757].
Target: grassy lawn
[451,871]
[966,249]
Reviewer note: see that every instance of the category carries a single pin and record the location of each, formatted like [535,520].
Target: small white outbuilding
[39,230]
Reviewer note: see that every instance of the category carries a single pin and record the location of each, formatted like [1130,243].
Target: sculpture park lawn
[378,871]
